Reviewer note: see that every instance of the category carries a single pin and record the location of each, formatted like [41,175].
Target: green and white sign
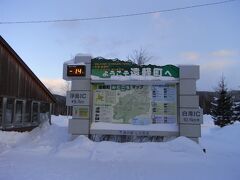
[105,68]
[134,104]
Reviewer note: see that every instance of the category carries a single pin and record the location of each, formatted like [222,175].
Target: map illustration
[134,104]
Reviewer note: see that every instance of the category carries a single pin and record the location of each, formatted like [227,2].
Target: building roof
[26,68]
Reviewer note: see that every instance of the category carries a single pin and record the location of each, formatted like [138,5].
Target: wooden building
[24,101]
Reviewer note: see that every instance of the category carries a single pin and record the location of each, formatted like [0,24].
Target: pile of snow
[48,153]
[9,140]
[208,125]
[180,148]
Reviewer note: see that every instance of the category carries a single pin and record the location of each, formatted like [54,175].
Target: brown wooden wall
[16,81]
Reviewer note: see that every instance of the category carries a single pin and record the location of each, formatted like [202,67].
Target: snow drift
[48,153]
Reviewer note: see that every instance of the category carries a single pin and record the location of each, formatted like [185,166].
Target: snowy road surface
[46,153]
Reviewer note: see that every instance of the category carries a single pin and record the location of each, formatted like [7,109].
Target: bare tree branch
[66,87]
[139,57]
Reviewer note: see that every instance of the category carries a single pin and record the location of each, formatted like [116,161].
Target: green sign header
[105,68]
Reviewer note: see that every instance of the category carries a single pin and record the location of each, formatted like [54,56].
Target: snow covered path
[46,153]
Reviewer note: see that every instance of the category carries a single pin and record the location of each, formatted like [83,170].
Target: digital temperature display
[76,70]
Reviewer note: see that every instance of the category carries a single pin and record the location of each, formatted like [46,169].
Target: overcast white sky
[208,36]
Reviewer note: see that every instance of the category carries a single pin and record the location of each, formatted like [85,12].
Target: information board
[135,104]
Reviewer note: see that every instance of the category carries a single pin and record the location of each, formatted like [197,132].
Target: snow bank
[80,147]
[208,126]
[106,151]
[10,140]
[223,140]
[61,121]
[48,153]
[45,138]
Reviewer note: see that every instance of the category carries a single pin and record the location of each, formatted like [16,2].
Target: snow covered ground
[47,153]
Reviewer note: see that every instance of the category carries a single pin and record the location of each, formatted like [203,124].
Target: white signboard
[191,116]
[76,98]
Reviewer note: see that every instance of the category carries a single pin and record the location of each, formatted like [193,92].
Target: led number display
[76,70]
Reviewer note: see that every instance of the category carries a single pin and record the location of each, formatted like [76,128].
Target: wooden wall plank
[16,82]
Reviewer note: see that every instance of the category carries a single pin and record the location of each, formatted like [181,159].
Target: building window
[27,118]
[44,111]
[9,111]
[1,110]
[18,112]
[44,107]
[35,112]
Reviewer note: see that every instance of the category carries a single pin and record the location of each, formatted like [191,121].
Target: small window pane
[27,118]
[9,111]
[19,112]
[1,110]
[44,108]
[35,112]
